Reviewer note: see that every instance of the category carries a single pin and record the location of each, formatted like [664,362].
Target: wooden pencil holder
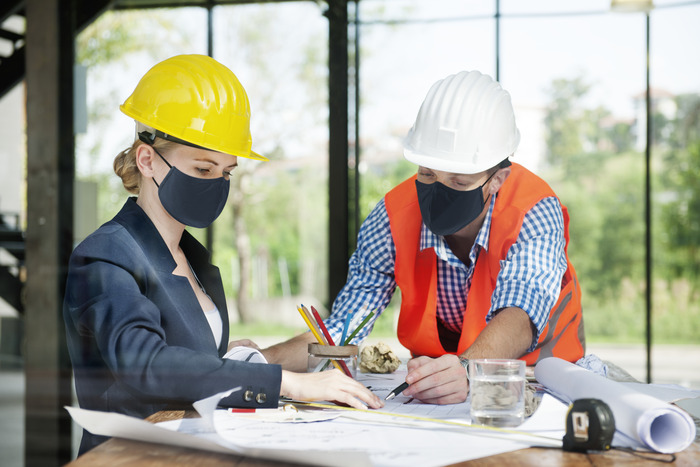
[322,357]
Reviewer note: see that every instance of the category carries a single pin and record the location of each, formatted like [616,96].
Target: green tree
[603,191]
[563,120]
[600,178]
[278,216]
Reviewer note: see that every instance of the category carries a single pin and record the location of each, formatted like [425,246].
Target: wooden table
[121,452]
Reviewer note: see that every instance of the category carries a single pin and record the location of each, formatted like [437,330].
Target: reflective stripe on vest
[416,273]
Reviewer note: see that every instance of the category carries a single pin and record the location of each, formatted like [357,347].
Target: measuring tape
[496,430]
[590,426]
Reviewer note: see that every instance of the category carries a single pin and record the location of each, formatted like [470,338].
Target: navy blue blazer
[138,340]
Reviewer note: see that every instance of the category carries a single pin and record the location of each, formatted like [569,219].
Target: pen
[396,391]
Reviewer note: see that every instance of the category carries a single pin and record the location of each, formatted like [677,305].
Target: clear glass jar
[322,357]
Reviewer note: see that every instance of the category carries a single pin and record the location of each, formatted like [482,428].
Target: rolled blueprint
[651,422]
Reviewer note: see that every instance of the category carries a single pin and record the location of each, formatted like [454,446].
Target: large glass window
[675,124]
[577,74]
[269,243]
[405,46]
[272,244]
[574,93]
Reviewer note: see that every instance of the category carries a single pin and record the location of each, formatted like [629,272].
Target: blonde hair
[125,164]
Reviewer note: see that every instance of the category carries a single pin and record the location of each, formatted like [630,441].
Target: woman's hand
[441,380]
[331,385]
[242,343]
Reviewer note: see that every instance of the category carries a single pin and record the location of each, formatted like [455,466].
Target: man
[476,244]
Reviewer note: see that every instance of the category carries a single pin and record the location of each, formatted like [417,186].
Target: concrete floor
[12,418]
[671,364]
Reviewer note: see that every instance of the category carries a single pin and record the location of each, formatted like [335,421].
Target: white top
[216,325]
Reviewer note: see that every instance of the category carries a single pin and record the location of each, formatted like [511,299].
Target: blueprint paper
[646,420]
[332,436]
[382,385]
[122,426]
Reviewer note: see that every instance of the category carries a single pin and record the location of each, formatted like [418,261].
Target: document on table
[340,437]
[382,385]
[398,442]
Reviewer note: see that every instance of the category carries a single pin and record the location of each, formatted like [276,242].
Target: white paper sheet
[382,385]
[648,421]
[245,354]
[122,426]
[665,392]
[396,443]
[363,439]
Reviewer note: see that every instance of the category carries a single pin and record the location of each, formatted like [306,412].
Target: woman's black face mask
[192,201]
[446,210]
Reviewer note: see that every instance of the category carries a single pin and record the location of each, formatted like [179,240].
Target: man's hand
[441,380]
[293,354]
[243,343]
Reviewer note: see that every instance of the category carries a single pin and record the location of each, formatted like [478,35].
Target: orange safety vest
[416,273]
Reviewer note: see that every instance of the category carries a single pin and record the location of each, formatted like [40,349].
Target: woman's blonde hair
[125,164]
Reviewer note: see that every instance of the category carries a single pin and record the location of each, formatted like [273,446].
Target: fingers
[330,385]
[437,381]
[352,393]
[425,367]
[243,343]
[417,362]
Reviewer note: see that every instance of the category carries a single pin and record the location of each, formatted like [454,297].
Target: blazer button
[248,395]
[261,398]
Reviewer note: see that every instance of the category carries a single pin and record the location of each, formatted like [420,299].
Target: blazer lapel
[139,225]
[210,278]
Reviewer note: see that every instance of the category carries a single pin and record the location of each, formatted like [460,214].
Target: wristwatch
[465,363]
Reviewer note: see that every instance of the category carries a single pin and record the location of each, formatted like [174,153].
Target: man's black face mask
[446,210]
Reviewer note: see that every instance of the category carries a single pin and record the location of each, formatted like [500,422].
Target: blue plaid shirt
[530,277]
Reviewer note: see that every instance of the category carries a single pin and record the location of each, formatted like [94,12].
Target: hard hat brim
[126,110]
[448,165]
[255,156]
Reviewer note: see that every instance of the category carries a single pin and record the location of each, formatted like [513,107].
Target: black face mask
[446,210]
[192,201]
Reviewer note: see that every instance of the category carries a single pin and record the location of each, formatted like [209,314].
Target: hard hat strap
[150,138]
[504,163]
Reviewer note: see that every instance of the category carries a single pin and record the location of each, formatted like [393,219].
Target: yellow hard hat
[194,99]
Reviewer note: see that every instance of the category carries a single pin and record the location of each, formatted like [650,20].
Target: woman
[145,313]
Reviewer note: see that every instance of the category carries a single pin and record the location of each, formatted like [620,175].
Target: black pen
[396,391]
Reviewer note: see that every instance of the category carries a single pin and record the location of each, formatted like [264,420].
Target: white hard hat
[465,125]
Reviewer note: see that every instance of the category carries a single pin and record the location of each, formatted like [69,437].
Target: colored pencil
[314,324]
[357,329]
[316,333]
[322,326]
[348,318]
[324,329]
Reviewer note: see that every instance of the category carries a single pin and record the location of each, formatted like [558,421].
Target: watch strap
[465,363]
